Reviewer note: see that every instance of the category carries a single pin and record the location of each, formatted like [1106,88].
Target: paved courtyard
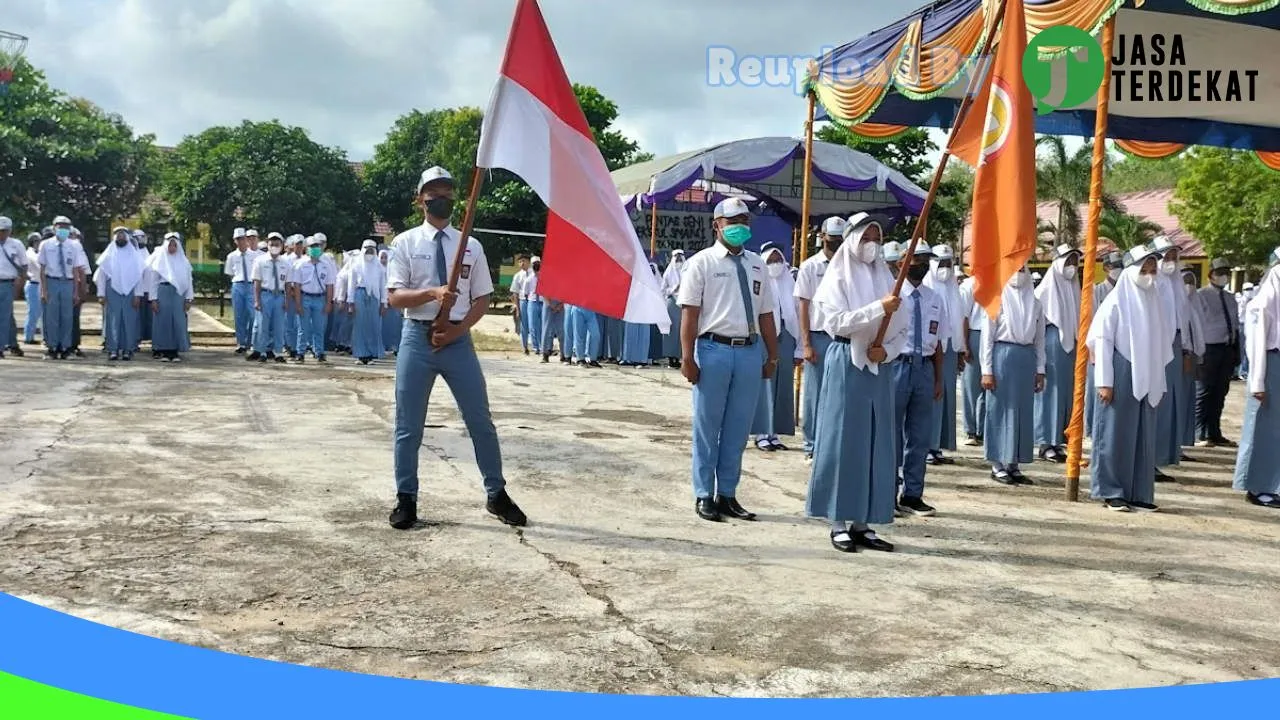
[243,507]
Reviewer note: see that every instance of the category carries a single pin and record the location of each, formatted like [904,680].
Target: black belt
[313,294]
[432,322]
[167,283]
[842,340]
[241,282]
[733,342]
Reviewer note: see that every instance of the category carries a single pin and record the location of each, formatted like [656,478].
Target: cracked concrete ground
[243,508]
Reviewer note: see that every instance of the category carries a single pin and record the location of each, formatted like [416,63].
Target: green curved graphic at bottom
[22,699]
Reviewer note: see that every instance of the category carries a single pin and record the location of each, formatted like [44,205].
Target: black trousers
[75,327]
[1211,391]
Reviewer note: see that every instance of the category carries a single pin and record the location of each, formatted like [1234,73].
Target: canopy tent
[914,72]
[772,170]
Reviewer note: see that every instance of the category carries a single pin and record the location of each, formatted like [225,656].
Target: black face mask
[916,273]
[120,241]
[537,267]
[440,207]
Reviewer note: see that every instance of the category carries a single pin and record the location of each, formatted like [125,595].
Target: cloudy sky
[345,69]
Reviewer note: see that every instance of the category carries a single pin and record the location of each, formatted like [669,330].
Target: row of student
[143,293]
[292,298]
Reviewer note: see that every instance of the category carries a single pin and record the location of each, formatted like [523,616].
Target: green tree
[268,176]
[908,153]
[1231,203]
[65,156]
[1133,174]
[1126,231]
[1063,179]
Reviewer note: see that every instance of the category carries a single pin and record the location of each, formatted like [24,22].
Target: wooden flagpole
[1075,430]
[877,347]
[804,224]
[442,318]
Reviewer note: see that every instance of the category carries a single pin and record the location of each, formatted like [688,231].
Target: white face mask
[1189,289]
[274,250]
[1069,272]
[1114,274]
[777,270]
[1168,267]
[1020,279]
[944,274]
[868,252]
[1145,282]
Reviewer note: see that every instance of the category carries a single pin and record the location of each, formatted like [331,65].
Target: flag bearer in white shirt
[917,377]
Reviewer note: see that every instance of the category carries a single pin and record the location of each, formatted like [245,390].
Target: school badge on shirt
[466,271]
[755,287]
[933,327]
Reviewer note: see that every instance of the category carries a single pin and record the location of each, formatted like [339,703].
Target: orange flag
[997,137]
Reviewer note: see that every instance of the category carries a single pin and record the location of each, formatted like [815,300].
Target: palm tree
[1126,231]
[1064,180]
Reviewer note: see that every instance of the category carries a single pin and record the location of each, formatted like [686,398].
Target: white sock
[839,526]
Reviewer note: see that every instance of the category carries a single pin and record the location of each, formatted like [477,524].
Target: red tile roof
[1152,205]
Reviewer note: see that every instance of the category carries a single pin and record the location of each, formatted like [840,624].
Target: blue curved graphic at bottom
[102,662]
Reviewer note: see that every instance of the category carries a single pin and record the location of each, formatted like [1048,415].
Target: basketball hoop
[12,47]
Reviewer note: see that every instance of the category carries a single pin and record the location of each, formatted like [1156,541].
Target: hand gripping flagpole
[1075,429]
[803,240]
[876,352]
[442,319]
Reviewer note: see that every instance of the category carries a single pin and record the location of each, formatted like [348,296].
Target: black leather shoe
[707,509]
[405,514]
[502,507]
[1020,479]
[866,540]
[847,545]
[729,506]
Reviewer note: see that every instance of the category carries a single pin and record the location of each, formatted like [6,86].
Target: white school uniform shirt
[14,261]
[272,281]
[311,277]
[969,307]
[1262,330]
[807,280]
[933,319]
[236,270]
[710,281]
[33,266]
[412,266]
[72,252]
[1004,332]
[368,275]
[517,282]
[529,288]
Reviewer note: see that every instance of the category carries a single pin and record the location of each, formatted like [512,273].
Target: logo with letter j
[1059,80]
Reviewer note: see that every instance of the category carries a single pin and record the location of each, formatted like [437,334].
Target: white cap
[1162,244]
[678,251]
[313,241]
[114,231]
[62,220]
[1036,276]
[943,252]
[275,236]
[262,244]
[833,226]
[1247,286]
[1064,250]
[172,236]
[921,249]
[5,223]
[535,259]
[291,241]
[251,233]
[892,251]
[368,244]
[321,237]
[432,174]
[1137,255]
[730,207]
[237,233]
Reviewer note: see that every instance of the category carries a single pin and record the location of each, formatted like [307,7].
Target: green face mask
[315,252]
[736,235]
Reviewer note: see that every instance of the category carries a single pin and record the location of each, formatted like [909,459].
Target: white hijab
[124,267]
[784,289]
[1134,321]
[368,272]
[1060,299]
[1174,299]
[173,268]
[671,277]
[949,292]
[1018,312]
[1265,305]
[850,285]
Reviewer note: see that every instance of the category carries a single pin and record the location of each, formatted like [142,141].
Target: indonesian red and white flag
[535,128]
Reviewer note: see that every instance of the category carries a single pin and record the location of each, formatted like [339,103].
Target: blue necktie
[441,273]
[919,333]
[746,294]
[62,261]
[275,275]
[244,267]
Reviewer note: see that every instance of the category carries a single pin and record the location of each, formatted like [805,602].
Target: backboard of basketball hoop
[12,48]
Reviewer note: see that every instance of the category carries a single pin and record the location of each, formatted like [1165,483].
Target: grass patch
[486,342]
